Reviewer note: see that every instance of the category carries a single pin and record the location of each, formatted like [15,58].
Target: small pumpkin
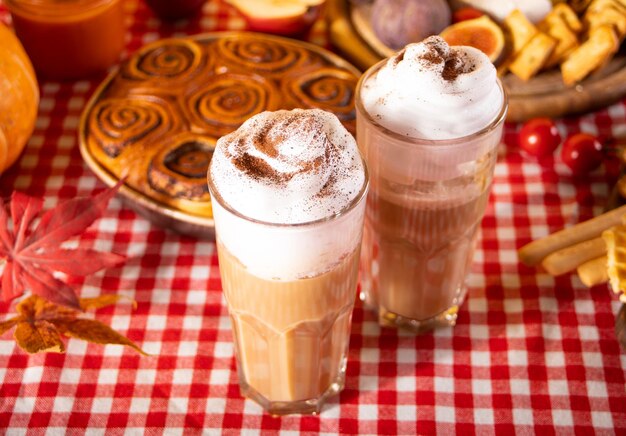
[19,98]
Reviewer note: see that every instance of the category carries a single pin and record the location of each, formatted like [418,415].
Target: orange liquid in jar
[69,39]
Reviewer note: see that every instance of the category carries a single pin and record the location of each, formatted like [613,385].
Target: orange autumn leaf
[103,301]
[40,324]
[38,336]
[7,325]
[96,332]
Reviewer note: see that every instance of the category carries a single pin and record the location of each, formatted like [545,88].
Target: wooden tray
[156,119]
[544,95]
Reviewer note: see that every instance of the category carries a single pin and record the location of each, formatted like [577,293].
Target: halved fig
[481,33]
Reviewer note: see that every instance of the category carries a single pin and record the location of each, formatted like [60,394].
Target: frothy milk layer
[430,90]
[288,167]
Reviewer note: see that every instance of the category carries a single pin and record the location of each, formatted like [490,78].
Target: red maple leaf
[32,253]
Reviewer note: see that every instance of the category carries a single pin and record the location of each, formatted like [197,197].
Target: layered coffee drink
[288,190]
[429,121]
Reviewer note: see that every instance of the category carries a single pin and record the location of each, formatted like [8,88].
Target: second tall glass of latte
[429,121]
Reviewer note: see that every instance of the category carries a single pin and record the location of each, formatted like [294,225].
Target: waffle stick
[615,239]
[535,252]
[593,272]
[569,258]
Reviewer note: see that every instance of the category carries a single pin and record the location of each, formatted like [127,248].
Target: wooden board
[543,95]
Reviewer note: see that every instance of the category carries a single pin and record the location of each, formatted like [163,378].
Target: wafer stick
[569,258]
[593,272]
[533,253]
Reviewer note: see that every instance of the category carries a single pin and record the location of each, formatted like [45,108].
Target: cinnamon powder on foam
[267,140]
[455,64]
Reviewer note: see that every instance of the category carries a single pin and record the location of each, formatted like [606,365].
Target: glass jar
[69,39]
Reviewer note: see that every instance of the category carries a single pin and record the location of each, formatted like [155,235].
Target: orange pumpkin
[19,98]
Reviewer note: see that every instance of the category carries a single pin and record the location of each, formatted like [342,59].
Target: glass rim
[48,8]
[439,143]
[361,195]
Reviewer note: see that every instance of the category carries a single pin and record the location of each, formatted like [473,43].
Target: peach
[282,17]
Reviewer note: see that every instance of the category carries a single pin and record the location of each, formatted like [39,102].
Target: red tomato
[539,137]
[465,14]
[582,153]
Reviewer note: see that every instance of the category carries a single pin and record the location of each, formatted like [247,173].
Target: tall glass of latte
[288,191]
[429,121]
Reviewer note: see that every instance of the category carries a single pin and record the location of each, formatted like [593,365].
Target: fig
[399,22]
[481,33]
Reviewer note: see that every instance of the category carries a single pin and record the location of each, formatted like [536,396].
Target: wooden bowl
[156,119]
[544,95]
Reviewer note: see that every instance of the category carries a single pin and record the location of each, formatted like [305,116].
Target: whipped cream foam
[284,168]
[430,90]
[288,167]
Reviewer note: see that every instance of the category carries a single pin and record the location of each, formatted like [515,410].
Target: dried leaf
[32,256]
[8,324]
[40,324]
[35,308]
[103,301]
[38,336]
[96,332]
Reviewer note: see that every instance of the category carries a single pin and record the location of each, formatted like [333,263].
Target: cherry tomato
[582,153]
[539,137]
[464,14]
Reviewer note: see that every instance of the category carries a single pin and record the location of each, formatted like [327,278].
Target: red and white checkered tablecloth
[530,354]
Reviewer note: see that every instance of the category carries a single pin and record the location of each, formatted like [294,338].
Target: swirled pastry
[226,100]
[178,172]
[166,66]
[261,54]
[119,122]
[328,89]
[157,118]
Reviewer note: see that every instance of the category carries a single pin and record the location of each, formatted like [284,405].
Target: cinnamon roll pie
[157,119]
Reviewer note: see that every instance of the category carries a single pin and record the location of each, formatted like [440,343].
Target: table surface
[530,353]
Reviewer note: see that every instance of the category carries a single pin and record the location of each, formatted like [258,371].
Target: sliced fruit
[283,17]
[466,13]
[274,8]
[481,33]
